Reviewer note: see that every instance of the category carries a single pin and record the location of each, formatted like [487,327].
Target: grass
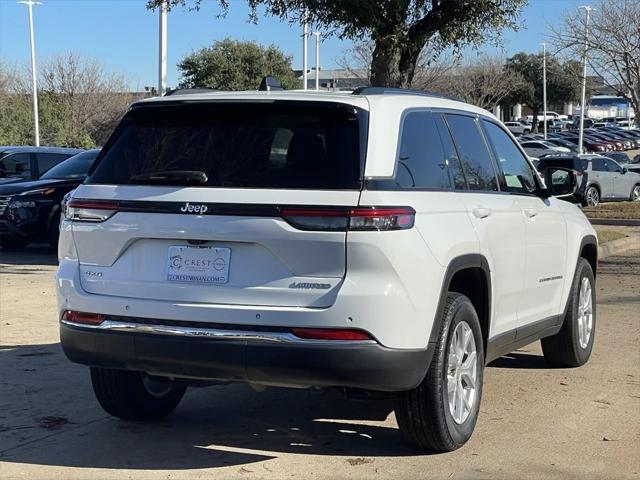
[616,210]
[605,236]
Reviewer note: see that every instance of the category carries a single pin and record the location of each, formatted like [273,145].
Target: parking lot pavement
[535,422]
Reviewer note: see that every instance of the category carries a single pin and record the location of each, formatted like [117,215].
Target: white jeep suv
[381,240]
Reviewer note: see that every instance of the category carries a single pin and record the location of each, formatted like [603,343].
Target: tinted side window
[516,172]
[455,167]
[421,162]
[612,166]
[16,165]
[597,165]
[477,164]
[48,160]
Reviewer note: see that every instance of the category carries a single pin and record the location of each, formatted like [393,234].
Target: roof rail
[399,91]
[188,91]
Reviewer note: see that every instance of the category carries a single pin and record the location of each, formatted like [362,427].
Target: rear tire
[635,194]
[54,231]
[572,345]
[133,395]
[591,196]
[433,415]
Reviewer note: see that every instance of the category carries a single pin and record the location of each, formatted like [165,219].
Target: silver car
[608,181]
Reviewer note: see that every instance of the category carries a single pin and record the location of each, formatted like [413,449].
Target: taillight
[353,219]
[331,334]
[89,210]
[83,317]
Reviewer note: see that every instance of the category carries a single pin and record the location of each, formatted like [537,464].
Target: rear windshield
[576,164]
[237,145]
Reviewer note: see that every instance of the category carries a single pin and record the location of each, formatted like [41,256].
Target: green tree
[563,81]
[400,29]
[234,65]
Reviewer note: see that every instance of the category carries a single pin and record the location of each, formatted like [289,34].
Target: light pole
[544,86]
[305,36]
[162,50]
[317,35]
[36,123]
[588,9]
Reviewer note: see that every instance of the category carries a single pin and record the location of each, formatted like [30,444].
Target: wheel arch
[469,275]
[589,251]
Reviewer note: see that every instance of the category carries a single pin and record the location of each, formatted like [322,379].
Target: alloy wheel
[585,313]
[593,197]
[635,195]
[462,373]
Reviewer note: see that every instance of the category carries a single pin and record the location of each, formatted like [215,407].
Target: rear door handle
[481,212]
[530,212]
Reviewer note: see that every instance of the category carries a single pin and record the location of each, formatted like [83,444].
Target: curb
[615,221]
[616,247]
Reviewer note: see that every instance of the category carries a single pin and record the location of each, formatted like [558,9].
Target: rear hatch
[202,203]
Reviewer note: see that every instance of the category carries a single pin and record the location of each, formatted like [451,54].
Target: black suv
[30,210]
[18,164]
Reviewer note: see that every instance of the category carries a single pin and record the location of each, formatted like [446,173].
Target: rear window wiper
[171,177]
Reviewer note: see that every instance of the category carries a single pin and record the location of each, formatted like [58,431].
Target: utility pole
[588,9]
[36,122]
[544,86]
[317,35]
[162,50]
[305,36]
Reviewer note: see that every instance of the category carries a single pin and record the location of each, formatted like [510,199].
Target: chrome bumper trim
[210,333]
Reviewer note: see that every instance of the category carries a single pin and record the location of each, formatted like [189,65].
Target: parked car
[539,148]
[312,240]
[601,179]
[620,157]
[18,164]
[561,142]
[30,210]
[590,145]
[518,128]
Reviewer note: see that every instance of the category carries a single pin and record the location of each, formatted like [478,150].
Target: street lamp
[305,36]
[162,50]
[317,35]
[36,123]
[588,10]
[544,86]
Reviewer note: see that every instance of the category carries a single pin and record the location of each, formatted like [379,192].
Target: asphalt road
[535,421]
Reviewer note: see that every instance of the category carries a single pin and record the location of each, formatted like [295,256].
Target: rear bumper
[269,358]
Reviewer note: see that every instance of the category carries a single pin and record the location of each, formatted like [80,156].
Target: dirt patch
[615,210]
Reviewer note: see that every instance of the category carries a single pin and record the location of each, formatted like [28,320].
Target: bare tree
[483,82]
[91,99]
[613,45]
[431,66]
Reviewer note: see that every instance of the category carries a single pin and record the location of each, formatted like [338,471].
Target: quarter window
[472,150]
[422,161]
[48,160]
[515,171]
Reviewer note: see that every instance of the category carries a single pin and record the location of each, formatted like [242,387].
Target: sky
[123,34]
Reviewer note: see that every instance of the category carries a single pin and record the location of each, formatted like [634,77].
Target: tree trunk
[534,126]
[385,64]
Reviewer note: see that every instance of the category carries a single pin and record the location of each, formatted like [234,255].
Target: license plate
[198,264]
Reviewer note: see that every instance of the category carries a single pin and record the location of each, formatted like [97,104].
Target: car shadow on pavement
[521,360]
[48,416]
[38,254]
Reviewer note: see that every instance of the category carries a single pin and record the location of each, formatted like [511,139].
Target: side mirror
[624,170]
[560,182]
